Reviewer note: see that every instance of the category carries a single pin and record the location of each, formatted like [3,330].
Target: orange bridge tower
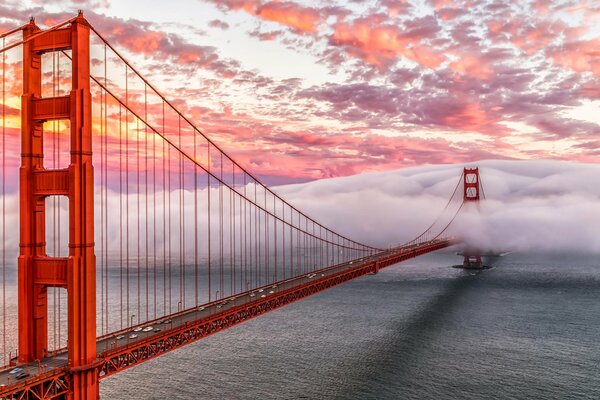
[37,271]
[471,194]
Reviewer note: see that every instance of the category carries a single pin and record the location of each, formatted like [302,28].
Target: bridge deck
[119,351]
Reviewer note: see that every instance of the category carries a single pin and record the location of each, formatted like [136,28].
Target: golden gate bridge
[137,233]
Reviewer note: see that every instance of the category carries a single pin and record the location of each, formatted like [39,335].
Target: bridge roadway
[119,350]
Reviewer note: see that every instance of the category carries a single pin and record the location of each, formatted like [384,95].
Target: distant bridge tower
[38,271]
[471,194]
[471,184]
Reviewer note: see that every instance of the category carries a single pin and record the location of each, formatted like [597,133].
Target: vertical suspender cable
[195,223]
[154,137]
[320,243]
[137,196]
[121,216]
[306,247]
[291,252]
[102,233]
[298,261]
[129,321]
[209,189]
[106,185]
[221,233]
[267,273]
[245,233]
[181,226]
[169,225]
[232,231]
[4,202]
[275,237]
[164,237]
[146,223]
[283,228]
[256,238]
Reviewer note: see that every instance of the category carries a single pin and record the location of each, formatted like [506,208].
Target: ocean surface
[529,328]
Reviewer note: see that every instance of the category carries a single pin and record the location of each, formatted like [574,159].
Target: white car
[138,329]
[201,308]
[260,290]
[120,337]
[16,371]
[271,292]
[252,294]
[147,329]
[133,336]
[264,295]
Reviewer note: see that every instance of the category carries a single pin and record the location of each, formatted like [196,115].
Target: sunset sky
[301,90]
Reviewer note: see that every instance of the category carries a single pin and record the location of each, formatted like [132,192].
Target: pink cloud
[146,43]
[471,117]
[379,44]
[579,56]
[472,71]
[470,65]
[217,23]
[439,4]
[301,19]
[448,14]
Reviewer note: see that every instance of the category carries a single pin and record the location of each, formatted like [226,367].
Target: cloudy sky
[301,90]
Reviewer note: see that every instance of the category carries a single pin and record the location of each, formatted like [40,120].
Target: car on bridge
[22,375]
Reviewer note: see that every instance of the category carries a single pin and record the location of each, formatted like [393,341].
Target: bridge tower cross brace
[471,194]
[36,270]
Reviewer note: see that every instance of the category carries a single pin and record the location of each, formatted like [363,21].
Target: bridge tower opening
[471,194]
[36,270]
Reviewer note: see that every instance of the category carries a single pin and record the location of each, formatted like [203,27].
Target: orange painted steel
[37,271]
[472,187]
[52,385]
[471,184]
[33,316]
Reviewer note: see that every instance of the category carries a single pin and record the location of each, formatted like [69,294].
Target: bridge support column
[81,278]
[471,186]
[37,271]
[33,312]
[472,261]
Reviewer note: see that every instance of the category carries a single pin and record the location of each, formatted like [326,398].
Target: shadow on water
[398,353]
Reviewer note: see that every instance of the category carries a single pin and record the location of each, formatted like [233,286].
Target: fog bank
[529,205]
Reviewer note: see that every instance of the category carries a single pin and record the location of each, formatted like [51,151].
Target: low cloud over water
[529,205]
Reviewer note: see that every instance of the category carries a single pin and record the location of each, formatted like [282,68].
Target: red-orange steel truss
[37,271]
[54,384]
[125,357]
